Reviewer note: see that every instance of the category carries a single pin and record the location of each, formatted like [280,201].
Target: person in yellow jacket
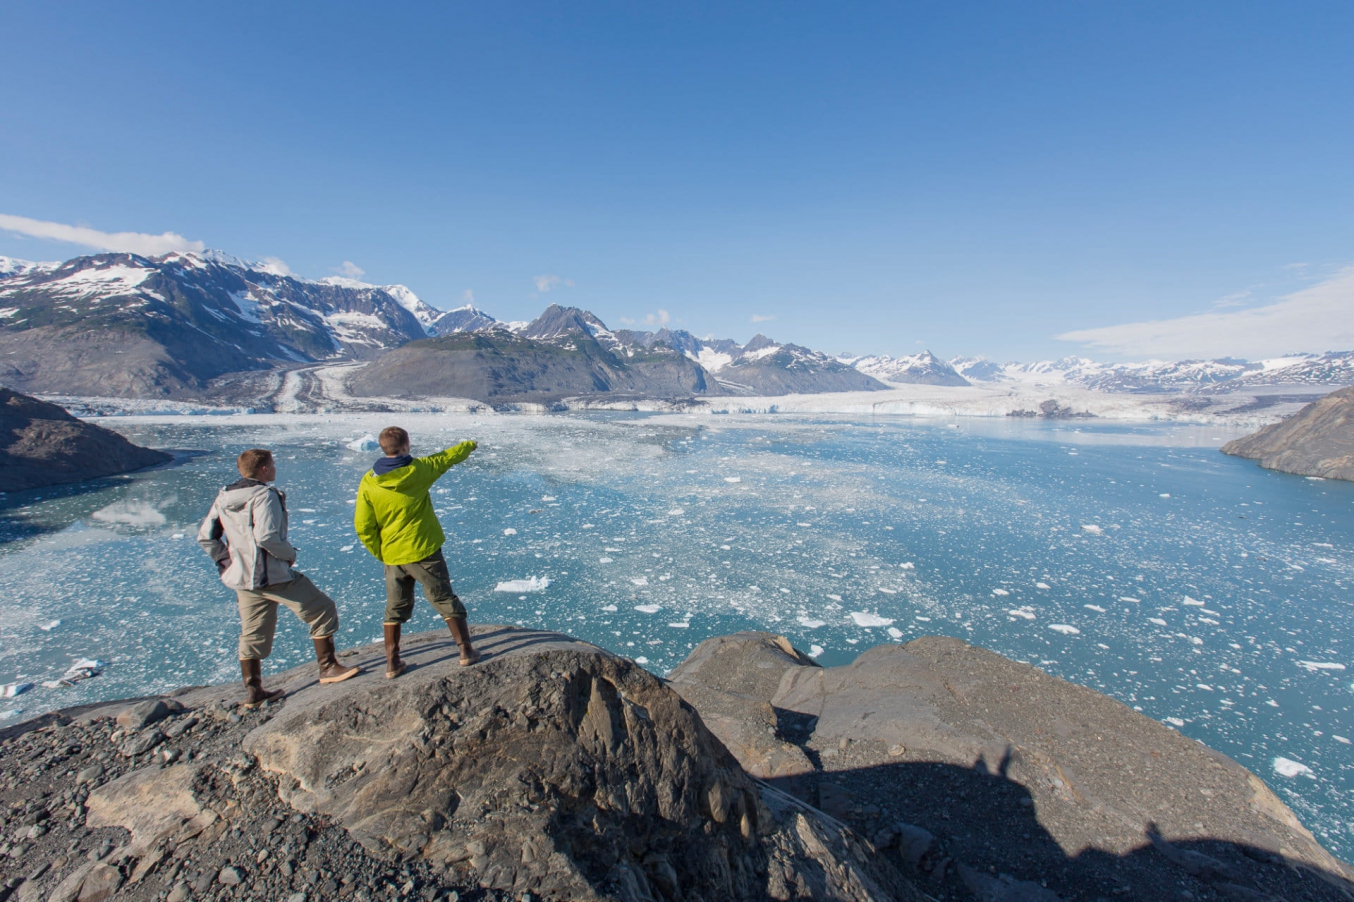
[396,522]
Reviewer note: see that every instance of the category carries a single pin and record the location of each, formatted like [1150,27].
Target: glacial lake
[1209,594]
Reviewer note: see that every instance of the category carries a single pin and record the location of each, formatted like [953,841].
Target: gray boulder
[558,769]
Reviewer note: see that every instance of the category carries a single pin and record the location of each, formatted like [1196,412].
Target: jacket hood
[399,479]
[238,494]
[386,464]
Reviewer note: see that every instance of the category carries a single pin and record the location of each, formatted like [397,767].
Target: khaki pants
[258,614]
[430,573]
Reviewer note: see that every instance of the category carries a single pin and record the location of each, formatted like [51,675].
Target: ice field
[1209,594]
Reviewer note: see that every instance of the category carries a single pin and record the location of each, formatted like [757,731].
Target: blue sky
[965,177]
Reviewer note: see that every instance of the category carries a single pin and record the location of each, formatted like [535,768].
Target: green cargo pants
[431,573]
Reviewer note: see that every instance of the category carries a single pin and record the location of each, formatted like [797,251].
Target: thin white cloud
[119,242]
[1318,318]
[274,266]
[548,283]
[762,318]
[661,318]
[350,270]
[468,296]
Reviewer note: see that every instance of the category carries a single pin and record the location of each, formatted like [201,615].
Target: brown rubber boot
[394,666]
[460,630]
[331,671]
[254,693]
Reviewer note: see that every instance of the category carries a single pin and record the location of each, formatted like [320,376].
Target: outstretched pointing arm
[443,461]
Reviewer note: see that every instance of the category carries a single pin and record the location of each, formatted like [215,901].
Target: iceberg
[367,442]
[530,584]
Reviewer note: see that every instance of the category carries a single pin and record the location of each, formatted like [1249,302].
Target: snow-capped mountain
[760,367]
[923,369]
[1155,376]
[9,266]
[125,324]
[463,319]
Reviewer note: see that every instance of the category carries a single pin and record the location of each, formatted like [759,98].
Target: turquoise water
[1205,592]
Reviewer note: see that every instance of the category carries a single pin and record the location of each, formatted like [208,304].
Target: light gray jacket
[246,534]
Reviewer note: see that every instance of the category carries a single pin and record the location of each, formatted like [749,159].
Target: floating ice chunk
[648,608]
[1130,600]
[1193,602]
[179,535]
[605,560]
[530,584]
[640,580]
[367,442]
[1064,628]
[509,531]
[347,548]
[1309,666]
[815,650]
[1102,645]
[1340,739]
[1157,620]
[1092,529]
[907,566]
[803,525]
[48,627]
[13,690]
[864,618]
[1000,593]
[676,512]
[130,512]
[733,478]
[1094,607]
[1164,495]
[547,497]
[922,619]
[1027,613]
[680,625]
[835,597]
[1287,767]
[610,608]
[1174,721]
[641,660]
[895,632]
[809,622]
[1041,585]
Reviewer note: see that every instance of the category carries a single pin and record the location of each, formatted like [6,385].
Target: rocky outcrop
[964,765]
[552,769]
[41,444]
[1316,441]
[555,770]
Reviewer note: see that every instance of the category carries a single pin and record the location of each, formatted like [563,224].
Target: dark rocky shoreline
[556,770]
[41,444]
[1318,440]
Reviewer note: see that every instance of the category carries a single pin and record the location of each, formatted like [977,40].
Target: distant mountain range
[123,325]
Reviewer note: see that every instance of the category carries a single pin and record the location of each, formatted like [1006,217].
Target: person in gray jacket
[246,535]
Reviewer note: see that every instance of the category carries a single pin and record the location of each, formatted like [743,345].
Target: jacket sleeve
[443,461]
[268,527]
[368,528]
[209,536]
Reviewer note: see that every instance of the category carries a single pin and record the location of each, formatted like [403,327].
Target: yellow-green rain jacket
[394,515]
